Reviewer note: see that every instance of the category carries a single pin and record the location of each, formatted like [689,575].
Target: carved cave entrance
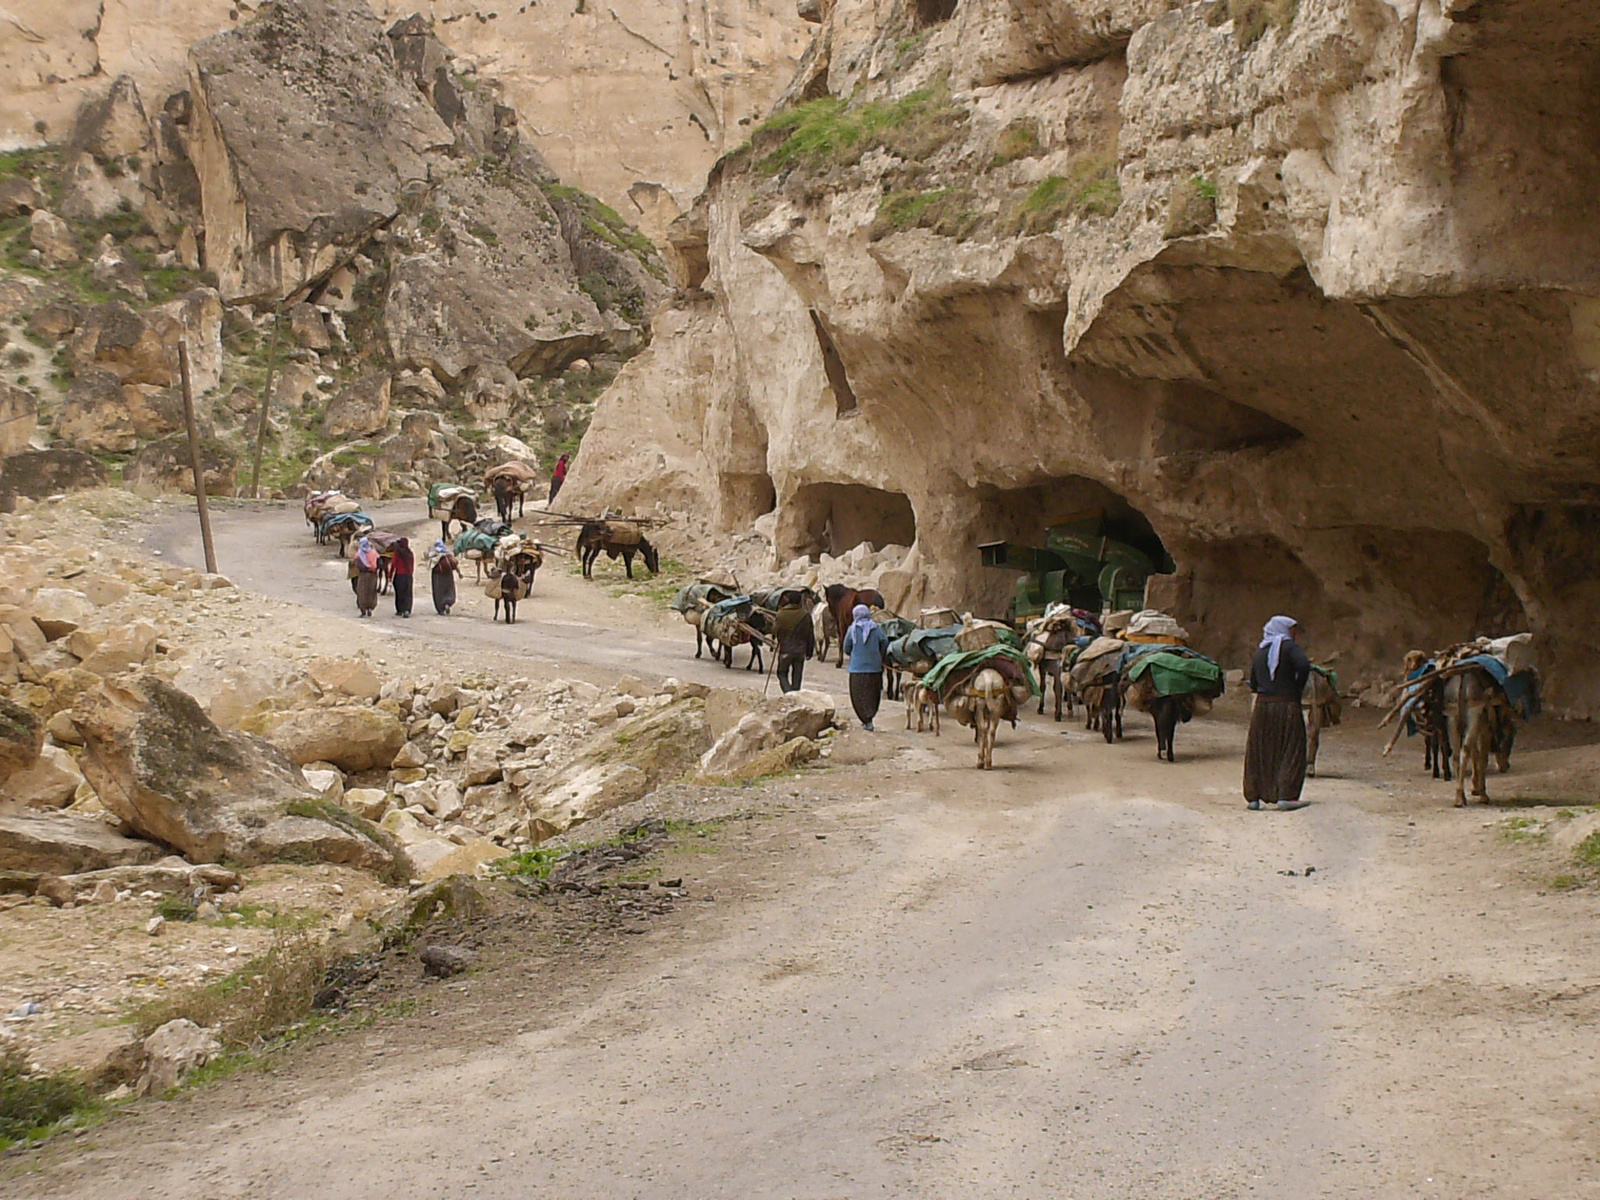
[831,518]
[1068,538]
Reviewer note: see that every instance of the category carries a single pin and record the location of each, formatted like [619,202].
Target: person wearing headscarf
[405,571]
[366,567]
[445,570]
[865,643]
[1275,750]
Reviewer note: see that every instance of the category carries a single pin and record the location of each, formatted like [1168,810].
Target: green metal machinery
[1091,563]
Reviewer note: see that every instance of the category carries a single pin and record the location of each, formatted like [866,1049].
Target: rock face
[63,844]
[772,723]
[695,73]
[159,763]
[1242,275]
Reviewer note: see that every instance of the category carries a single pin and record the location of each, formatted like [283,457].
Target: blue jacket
[867,658]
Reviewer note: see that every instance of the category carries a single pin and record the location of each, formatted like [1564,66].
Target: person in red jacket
[558,476]
[405,568]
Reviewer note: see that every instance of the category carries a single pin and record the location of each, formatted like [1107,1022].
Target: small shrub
[267,994]
[1019,139]
[30,1104]
[175,908]
[1204,187]
[1588,852]
[1565,883]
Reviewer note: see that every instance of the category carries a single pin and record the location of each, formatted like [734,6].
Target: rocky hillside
[695,74]
[439,296]
[1307,286]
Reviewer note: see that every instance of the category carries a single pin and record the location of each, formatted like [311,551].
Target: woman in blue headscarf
[865,643]
[1275,751]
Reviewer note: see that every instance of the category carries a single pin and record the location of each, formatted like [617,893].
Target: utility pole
[266,403]
[194,458]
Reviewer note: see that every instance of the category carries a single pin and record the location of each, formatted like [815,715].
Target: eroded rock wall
[625,92]
[1308,286]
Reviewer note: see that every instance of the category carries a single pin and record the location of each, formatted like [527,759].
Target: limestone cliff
[1312,287]
[619,93]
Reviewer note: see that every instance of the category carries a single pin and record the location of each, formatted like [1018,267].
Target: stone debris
[171,1052]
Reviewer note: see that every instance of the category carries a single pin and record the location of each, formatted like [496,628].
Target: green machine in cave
[1094,562]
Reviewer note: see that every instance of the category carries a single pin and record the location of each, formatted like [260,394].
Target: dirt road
[1085,975]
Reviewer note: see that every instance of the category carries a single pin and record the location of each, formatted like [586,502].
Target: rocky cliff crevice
[1305,286]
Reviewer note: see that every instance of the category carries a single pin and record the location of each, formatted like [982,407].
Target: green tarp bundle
[1330,675]
[474,539]
[961,661]
[1179,674]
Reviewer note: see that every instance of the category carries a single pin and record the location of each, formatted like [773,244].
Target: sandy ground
[1085,974]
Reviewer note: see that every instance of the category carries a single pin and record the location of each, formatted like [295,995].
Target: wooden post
[194,458]
[266,403]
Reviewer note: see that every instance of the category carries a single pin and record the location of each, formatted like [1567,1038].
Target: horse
[461,508]
[842,602]
[508,488]
[598,537]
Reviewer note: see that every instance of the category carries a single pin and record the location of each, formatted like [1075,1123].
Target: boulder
[779,759]
[122,648]
[171,1052]
[161,765]
[444,961]
[421,847]
[50,782]
[64,844]
[60,611]
[369,803]
[40,473]
[52,238]
[802,714]
[351,737]
[142,347]
[163,466]
[360,409]
[308,328]
[465,859]
[21,738]
[169,876]
[19,197]
[630,760]
[347,676]
[483,761]
[19,413]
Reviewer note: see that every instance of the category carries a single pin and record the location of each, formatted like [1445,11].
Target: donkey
[594,538]
[922,706]
[1476,708]
[512,588]
[462,508]
[1322,709]
[1167,712]
[825,629]
[1047,652]
[508,488]
[992,702]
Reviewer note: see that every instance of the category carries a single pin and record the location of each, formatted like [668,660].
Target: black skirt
[866,693]
[1275,751]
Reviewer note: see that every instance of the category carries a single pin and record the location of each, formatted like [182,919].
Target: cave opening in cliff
[932,12]
[831,518]
[1068,538]
[746,497]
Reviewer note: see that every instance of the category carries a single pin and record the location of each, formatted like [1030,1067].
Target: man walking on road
[797,641]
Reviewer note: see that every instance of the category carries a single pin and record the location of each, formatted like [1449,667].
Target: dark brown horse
[842,601]
[598,537]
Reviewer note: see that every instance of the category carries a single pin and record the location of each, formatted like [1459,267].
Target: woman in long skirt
[405,570]
[445,570]
[366,578]
[1275,750]
[865,643]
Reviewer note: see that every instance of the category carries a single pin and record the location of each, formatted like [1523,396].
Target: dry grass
[1088,189]
[31,1104]
[946,211]
[267,994]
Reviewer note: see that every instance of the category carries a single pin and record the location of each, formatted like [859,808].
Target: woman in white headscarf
[445,570]
[865,643]
[1275,751]
[365,563]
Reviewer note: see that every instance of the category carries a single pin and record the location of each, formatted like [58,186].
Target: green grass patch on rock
[947,212]
[828,132]
[1089,189]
